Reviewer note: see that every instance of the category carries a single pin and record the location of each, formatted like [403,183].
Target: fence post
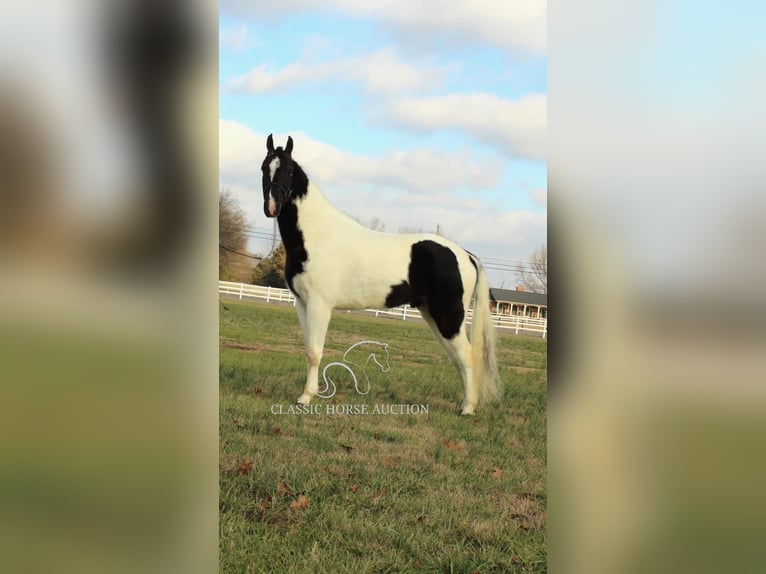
[268,294]
[241,287]
[404,313]
[517,324]
[545,328]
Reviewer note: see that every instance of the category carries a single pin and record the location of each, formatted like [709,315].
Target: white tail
[486,377]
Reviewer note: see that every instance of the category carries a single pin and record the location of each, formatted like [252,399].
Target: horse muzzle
[274,202]
[270,207]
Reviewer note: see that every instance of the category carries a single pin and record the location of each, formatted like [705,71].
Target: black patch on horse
[400,294]
[434,283]
[292,237]
[300,183]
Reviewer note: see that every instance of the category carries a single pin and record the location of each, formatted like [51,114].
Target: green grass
[434,492]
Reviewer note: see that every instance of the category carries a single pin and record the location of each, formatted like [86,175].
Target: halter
[286,193]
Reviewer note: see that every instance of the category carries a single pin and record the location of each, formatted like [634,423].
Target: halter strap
[286,193]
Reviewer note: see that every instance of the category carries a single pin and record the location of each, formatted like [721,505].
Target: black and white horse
[334,262]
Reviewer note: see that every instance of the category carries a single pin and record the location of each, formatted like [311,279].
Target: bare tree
[233,259]
[376,224]
[534,275]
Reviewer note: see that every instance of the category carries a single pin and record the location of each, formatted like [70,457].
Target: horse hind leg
[462,350]
[438,336]
[314,319]
[458,349]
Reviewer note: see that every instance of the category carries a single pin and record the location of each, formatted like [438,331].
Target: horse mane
[300,180]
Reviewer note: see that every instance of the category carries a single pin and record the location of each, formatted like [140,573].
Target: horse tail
[482,335]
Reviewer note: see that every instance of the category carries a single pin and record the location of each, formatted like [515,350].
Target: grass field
[429,492]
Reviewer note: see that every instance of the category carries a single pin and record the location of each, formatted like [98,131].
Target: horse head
[278,173]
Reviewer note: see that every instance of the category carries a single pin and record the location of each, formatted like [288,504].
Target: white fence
[516,323]
[270,294]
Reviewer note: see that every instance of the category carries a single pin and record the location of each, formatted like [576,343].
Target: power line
[238,253]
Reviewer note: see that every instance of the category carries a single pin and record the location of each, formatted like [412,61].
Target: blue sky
[414,113]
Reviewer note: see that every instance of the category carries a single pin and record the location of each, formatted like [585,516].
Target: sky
[415,113]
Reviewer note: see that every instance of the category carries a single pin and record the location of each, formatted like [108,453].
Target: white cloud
[241,151]
[517,127]
[382,72]
[235,38]
[263,79]
[509,25]
[540,196]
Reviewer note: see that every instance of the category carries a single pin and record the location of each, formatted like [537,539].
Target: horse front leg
[314,318]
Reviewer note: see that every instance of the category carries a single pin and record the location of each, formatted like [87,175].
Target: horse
[332,261]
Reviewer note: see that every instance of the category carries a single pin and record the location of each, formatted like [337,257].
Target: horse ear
[289,148]
[270,144]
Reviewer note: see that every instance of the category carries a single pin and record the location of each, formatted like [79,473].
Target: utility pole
[438,229]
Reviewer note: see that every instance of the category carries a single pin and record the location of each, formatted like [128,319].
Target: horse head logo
[330,388]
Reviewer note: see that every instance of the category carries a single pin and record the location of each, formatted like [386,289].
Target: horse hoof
[304,399]
[467,411]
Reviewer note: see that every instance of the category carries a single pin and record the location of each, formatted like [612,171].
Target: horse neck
[312,214]
[315,209]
